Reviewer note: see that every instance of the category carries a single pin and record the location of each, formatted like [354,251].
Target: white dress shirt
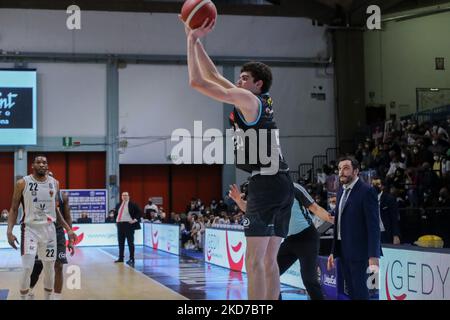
[379,208]
[125,215]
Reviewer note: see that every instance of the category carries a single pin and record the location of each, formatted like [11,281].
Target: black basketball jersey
[247,145]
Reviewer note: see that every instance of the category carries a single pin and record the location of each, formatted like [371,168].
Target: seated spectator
[4,216]
[177,219]
[213,205]
[211,221]
[216,221]
[444,199]
[394,165]
[237,219]
[110,217]
[222,206]
[358,152]
[186,221]
[195,230]
[171,219]
[162,215]
[367,157]
[428,180]
[155,218]
[405,156]
[332,183]
[377,134]
[437,131]
[439,164]
[321,176]
[149,208]
[201,234]
[84,218]
[192,206]
[401,202]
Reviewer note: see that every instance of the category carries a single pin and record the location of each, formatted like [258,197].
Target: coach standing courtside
[128,216]
[357,229]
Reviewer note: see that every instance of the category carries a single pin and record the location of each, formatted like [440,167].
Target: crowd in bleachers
[413,160]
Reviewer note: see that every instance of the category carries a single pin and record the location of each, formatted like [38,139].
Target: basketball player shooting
[270,196]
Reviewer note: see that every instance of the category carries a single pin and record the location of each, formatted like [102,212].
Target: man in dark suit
[357,229]
[128,216]
[390,231]
[84,218]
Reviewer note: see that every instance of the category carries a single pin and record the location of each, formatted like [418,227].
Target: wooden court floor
[100,278]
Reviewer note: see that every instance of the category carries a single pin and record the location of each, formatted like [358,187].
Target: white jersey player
[37,194]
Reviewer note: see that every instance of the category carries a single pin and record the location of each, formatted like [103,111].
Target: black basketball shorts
[269,204]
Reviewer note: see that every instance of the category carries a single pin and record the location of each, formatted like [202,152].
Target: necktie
[121,212]
[344,199]
[341,209]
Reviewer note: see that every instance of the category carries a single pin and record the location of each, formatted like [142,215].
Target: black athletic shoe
[118,260]
[130,262]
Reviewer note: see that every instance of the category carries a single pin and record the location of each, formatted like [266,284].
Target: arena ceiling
[329,12]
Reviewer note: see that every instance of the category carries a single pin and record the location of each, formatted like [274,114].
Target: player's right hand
[12,240]
[72,236]
[330,263]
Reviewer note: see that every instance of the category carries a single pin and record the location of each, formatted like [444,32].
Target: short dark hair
[39,156]
[353,161]
[259,71]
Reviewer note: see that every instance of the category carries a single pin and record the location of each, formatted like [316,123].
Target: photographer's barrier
[88,235]
[160,236]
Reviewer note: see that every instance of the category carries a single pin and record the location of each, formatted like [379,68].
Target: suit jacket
[389,216]
[360,224]
[135,213]
[84,220]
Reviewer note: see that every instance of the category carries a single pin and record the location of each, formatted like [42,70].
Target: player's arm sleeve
[303,196]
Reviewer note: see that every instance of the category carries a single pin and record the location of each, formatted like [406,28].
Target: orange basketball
[194,12]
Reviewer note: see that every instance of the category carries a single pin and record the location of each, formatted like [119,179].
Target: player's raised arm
[221,91]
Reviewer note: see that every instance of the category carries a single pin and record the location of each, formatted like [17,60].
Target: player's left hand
[235,193]
[72,236]
[203,30]
[330,219]
[71,248]
[200,32]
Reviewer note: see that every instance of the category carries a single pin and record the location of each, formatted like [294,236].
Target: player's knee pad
[49,274]
[27,265]
[37,269]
